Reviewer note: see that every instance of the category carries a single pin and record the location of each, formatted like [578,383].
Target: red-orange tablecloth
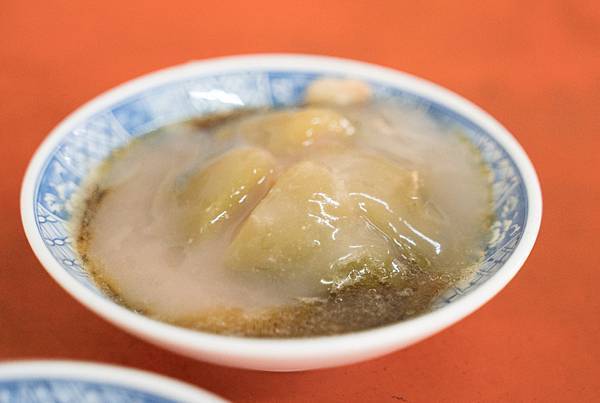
[534,65]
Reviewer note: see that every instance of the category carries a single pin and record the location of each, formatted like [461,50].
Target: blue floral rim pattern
[49,390]
[94,138]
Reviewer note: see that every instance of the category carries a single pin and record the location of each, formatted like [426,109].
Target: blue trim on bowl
[94,138]
[49,390]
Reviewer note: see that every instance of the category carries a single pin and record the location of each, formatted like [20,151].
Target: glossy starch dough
[331,223]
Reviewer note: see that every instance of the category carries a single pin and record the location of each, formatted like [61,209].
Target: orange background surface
[534,65]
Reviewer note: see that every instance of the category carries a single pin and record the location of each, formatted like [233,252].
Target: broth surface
[308,221]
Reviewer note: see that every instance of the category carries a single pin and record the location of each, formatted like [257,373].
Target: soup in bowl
[281,212]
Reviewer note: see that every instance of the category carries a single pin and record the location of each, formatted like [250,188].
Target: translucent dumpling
[289,132]
[308,229]
[223,190]
[394,199]
[388,195]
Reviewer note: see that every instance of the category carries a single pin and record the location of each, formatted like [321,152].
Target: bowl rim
[335,346]
[100,373]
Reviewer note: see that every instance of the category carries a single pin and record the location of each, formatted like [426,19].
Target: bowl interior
[90,137]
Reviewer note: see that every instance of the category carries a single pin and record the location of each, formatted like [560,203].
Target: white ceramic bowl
[197,88]
[77,381]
